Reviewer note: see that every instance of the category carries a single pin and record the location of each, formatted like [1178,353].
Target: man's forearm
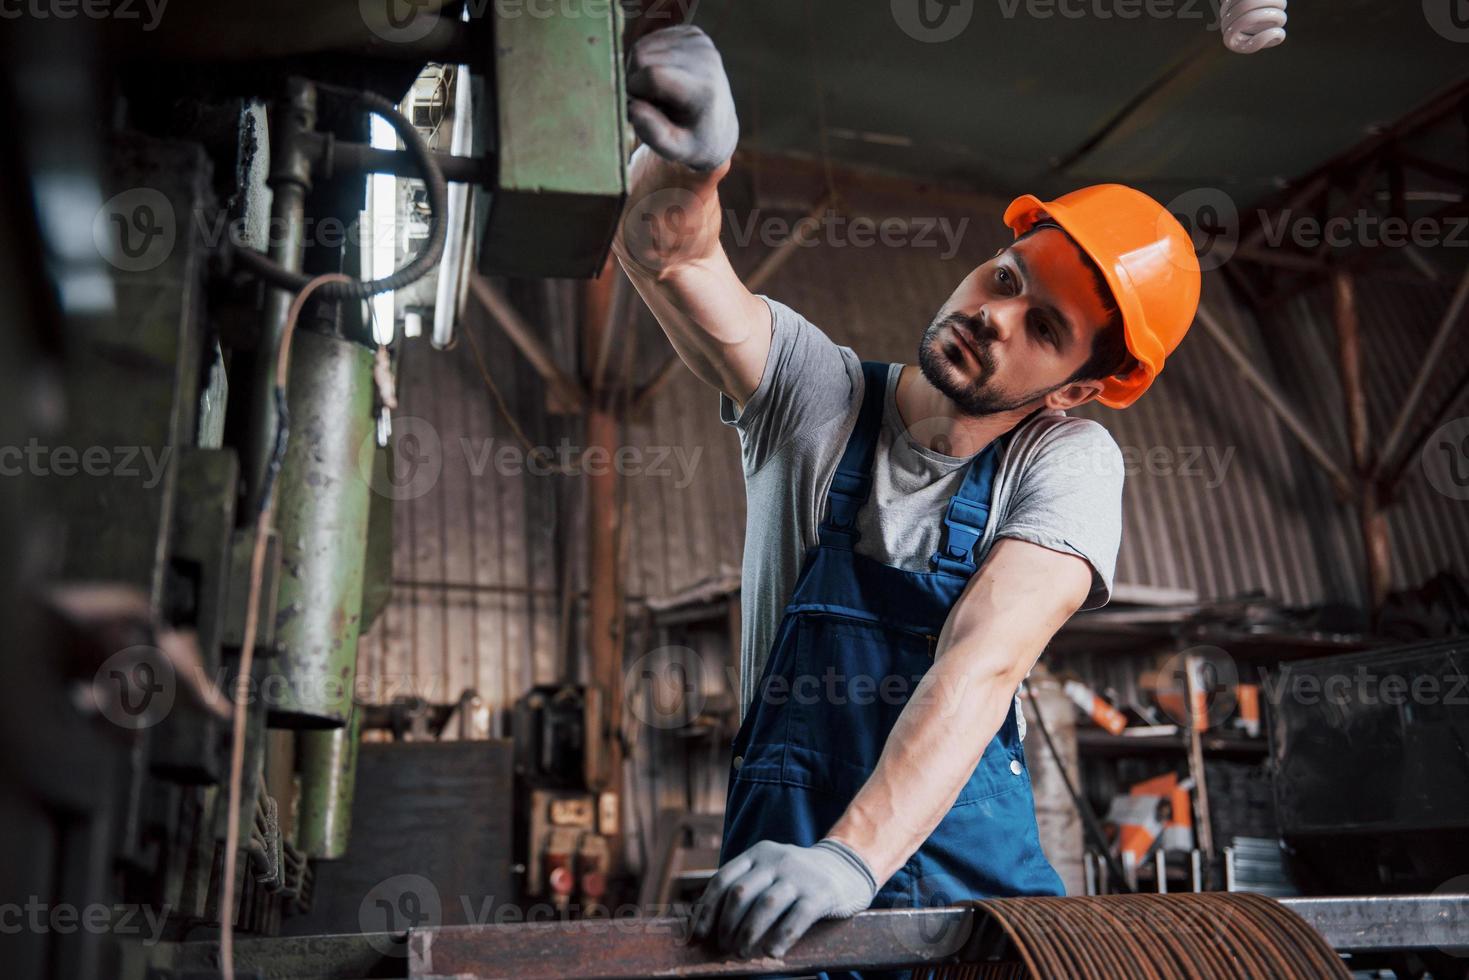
[993,636]
[937,741]
[681,107]
[668,243]
[672,216]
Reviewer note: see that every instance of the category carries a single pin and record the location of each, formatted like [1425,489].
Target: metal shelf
[1096,742]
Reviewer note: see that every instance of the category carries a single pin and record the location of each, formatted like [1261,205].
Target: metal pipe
[341,157]
[328,785]
[446,290]
[292,122]
[1274,400]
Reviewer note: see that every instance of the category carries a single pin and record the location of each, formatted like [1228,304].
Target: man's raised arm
[680,106]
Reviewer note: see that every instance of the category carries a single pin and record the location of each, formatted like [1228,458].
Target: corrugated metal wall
[475,603]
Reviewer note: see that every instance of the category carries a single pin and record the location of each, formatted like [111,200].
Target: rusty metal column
[604,574]
[1372,521]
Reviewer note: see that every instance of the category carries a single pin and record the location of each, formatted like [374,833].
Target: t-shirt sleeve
[808,381]
[1070,500]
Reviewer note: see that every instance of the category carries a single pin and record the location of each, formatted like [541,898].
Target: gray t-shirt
[1059,482]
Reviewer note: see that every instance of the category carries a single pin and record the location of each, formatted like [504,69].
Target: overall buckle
[964,524]
[848,492]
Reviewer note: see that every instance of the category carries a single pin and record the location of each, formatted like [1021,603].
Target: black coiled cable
[438,197]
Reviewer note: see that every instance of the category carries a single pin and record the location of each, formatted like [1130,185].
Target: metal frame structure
[1267,276]
[655,947]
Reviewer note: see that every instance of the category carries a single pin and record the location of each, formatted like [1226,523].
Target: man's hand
[679,100]
[765,899]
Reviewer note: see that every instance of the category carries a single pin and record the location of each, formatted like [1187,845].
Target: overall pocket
[760,741]
[850,680]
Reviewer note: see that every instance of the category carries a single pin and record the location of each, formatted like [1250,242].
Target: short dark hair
[1110,356]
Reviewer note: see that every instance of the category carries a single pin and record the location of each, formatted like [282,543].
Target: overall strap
[853,479]
[967,515]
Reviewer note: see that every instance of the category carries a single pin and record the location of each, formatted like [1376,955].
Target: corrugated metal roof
[1041,95]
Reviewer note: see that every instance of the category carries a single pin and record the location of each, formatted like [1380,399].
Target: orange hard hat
[1147,258]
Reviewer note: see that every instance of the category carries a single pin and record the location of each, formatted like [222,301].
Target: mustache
[983,337]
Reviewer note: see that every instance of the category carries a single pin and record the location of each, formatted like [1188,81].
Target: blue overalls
[856,637]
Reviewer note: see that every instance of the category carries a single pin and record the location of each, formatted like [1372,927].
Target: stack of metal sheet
[1257,864]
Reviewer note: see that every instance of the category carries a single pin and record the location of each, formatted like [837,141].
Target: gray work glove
[679,100]
[765,899]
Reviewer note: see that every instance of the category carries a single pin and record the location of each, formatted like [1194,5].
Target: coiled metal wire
[1210,936]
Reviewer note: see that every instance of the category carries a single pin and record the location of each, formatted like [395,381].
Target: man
[897,589]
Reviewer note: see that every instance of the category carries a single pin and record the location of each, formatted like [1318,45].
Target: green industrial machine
[216,160]
[560,136]
[328,775]
[322,518]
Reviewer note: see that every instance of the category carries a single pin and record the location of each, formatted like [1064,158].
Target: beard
[942,362]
